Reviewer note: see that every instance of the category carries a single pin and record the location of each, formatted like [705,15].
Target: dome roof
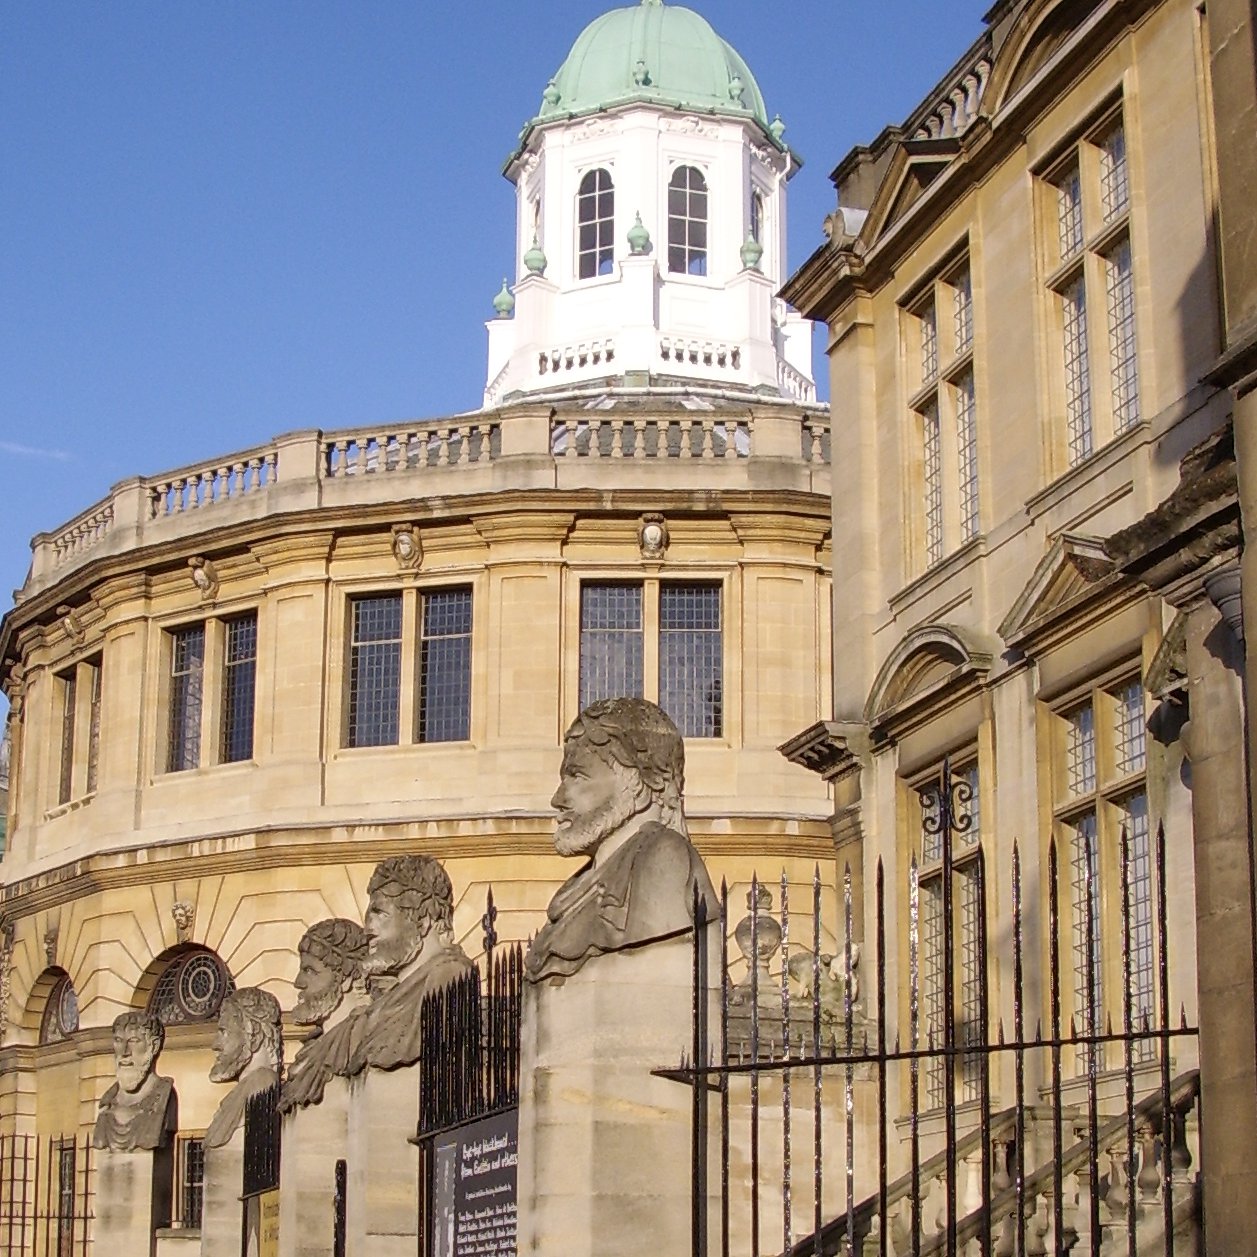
[654,52]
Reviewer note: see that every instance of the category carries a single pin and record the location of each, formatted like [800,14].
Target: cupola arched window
[757,217]
[191,988]
[687,222]
[595,225]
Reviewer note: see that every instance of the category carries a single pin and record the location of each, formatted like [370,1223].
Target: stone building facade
[237,686]
[1035,492]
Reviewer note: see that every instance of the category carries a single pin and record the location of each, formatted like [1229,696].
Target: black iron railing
[46,1196]
[813,1074]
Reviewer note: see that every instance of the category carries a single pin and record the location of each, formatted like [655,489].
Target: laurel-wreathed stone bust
[619,804]
[410,952]
[330,984]
[139,1111]
[250,1049]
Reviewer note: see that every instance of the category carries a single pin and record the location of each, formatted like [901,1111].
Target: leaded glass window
[691,658]
[240,641]
[445,666]
[61,1012]
[611,655]
[187,675]
[69,710]
[375,657]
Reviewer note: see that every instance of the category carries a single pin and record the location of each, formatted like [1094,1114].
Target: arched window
[61,1012]
[687,222]
[757,217]
[191,987]
[595,219]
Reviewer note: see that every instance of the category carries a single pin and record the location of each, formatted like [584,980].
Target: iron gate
[835,1136]
[46,1196]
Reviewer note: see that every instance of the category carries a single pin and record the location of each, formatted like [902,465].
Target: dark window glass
[69,703]
[687,222]
[93,728]
[757,217]
[240,651]
[191,987]
[595,217]
[445,667]
[187,673]
[375,662]
[65,1198]
[610,642]
[691,658]
[191,1171]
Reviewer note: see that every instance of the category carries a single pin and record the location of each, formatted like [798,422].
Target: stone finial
[777,128]
[652,536]
[736,88]
[644,876]
[638,237]
[750,253]
[139,1111]
[204,577]
[551,96]
[184,914]
[641,75]
[535,261]
[504,302]
[407,549]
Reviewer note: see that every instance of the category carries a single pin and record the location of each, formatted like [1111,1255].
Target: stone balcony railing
[769,446]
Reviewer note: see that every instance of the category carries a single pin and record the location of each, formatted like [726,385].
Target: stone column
[314,1139]
[222,1211]
[1224,930]
[382,1206]
[132,1200]
[604,1146]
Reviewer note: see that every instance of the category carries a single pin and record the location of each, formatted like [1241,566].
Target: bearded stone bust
[330,985]
[619,805]
[139,1111]
[249,1048]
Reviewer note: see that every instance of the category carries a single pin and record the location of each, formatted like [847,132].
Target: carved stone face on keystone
[393,936]
[595,797]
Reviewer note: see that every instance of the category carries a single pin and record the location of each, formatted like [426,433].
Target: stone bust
[330,985]
[139,1111]
[619,805]
[249,1049]
[410,951]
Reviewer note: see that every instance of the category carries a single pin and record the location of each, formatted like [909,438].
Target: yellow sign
[268,1229]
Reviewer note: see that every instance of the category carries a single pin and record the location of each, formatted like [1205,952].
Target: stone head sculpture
[622,758]
[249,1034]
[409,897]
[138,1038]
[139,1110]
[330,958]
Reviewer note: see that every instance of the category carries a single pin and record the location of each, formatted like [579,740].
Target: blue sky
[223,220]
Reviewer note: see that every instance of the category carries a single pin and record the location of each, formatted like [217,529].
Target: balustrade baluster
[639,438]
[901,1224]
[442,447]
[569,429]
[709,432]
[687,438]
[617,438]
[1038,1224]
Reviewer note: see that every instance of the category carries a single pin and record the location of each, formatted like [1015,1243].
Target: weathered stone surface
[315,1137]
[139,1111]
[619,803]
[222,1211]
[250,1050]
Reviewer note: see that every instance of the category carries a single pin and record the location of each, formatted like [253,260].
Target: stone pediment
[915,165]
[1073,571]
[932,668]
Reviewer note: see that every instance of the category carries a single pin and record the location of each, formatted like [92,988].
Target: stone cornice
[830,748]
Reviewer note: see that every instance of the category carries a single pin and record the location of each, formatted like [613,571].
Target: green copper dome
[654,52]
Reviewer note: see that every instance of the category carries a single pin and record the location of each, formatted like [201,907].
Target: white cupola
[651,222]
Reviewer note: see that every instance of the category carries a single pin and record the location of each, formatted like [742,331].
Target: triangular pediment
[1073,570]
[915,165]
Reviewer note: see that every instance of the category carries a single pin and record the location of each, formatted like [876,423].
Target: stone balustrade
[295,472]
[794,383]
[952,111]
[194,488]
